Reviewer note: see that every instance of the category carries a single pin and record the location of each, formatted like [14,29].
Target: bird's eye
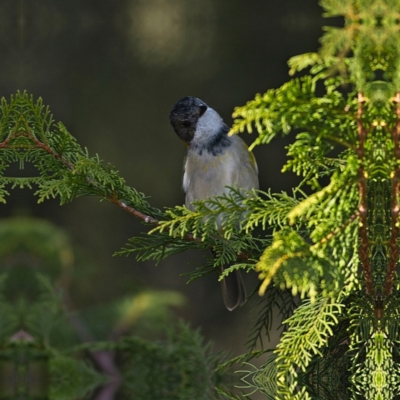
[186,124]
[203,109]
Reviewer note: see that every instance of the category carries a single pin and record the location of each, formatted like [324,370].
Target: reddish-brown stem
[394,249]
[5,143]
[338,230]
[136,213]
[362,209]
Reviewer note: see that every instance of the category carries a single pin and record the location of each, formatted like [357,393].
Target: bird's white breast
[207,175]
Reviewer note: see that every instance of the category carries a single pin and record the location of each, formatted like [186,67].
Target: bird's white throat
[208,126]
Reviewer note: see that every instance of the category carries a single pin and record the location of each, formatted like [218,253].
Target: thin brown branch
[362,209]
[50,151]
[338,230]
[136,213]
[5,143]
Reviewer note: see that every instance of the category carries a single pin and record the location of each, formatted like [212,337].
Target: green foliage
[320,256]
[274,298]
[181,369]
[296,106]
[345,114]
[9,321]
[42,355]
[28,133]
[71,378]
[378,374]
[334,241]
[310,327]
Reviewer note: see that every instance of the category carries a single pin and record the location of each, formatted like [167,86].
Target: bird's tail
[233,291]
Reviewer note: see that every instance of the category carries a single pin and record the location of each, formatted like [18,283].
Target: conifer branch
[395,210]
[339,229]
[136,213]
[43,146]
[362,209]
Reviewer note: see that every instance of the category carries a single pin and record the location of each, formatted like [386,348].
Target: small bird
[214,162]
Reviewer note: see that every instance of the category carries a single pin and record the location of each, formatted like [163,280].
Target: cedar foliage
[333,241]
[50,351]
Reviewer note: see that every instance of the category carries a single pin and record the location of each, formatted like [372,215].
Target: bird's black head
[184,116]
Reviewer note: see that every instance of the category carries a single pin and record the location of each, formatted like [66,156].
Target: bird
[214,162]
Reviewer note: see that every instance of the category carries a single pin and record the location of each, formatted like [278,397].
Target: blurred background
[111,71]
